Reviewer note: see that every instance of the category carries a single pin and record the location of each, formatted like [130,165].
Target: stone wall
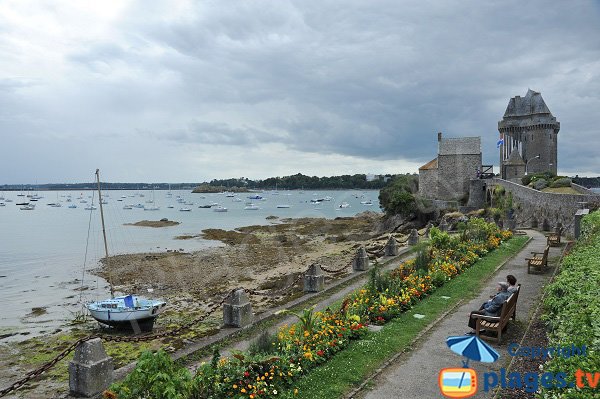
[454,174]
[428,182]
[459,145]
[531,204]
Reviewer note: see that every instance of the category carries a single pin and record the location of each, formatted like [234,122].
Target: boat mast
[112,293]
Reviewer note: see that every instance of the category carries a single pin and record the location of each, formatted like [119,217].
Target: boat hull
[127,313]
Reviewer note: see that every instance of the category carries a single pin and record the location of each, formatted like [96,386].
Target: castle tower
[529,128]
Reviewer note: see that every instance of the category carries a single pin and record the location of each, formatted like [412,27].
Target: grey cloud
[369,79]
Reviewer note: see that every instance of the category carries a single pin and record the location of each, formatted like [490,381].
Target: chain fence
[151,337]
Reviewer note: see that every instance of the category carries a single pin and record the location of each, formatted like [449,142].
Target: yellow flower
[243,390]
[296,391]
[234,386]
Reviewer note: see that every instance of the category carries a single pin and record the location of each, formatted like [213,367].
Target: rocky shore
[256,257]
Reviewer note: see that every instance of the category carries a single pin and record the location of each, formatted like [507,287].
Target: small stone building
[514,167]
[528,128]
[447,176]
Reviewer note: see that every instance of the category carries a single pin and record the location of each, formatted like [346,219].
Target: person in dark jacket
[491,307]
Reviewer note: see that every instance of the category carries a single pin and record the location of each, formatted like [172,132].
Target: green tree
[398,197]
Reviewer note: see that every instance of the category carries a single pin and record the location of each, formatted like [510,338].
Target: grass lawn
[560,190]
[352,366]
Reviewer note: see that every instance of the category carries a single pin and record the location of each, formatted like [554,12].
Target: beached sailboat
[128,311]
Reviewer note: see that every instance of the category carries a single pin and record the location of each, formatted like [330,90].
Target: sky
[189,91]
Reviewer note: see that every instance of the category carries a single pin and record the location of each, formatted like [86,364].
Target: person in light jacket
[491,307]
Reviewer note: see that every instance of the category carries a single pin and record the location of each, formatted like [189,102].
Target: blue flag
[500,142]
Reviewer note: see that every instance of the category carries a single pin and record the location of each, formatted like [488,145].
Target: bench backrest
[545,257]
[509,305]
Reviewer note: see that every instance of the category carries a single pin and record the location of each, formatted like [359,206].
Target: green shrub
[561,182]
[155,377]
[572,309]
[540,184]
[422,262]
[438,278]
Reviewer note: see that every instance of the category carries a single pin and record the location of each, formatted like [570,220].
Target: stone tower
[529,128]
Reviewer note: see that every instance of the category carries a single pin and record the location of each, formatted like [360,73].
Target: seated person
[491,307]
[512,284]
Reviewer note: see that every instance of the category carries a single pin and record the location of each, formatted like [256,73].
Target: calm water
[43,251]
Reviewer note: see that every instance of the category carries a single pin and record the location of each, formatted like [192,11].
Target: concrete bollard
[545,225]
[413,237]
[443,225]
[314,280]
[237,310]
[577,223]
[391,247]
[361,260]
[91,370]
[428,229]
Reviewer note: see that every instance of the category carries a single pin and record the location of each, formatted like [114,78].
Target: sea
[46,254]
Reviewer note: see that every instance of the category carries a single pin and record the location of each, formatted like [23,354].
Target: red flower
[246,374]
[320,352]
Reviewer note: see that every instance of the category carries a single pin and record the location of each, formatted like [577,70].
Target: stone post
[91,370]
[443,225]
[361,260]
[545,225]
[314,280]
[428,229]
[413,237]
[391,247]
[578,215]
[237,310]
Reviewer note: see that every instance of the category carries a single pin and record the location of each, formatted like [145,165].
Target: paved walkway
[415,375]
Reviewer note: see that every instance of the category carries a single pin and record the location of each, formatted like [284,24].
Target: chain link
[40,370]
[47,366]
[151,337]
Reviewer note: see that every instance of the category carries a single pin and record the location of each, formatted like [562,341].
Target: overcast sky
[168,91]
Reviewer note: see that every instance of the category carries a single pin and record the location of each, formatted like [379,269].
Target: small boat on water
[185,209]
[129,312]
[219,209]
[283,206]
[367,202]
[28,207]
[344,205]
[251,207]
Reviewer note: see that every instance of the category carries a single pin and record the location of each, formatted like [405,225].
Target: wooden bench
[553,239]
[539,260]
[498,323]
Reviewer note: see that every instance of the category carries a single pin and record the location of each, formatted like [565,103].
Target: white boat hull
[127,312]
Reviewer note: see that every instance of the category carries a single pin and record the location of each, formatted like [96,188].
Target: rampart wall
[532,205]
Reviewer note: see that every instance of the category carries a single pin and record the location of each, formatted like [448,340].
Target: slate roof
[532,103]
[514,159]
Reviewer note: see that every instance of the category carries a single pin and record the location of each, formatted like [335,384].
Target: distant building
[372,177]
[447,176]
[529,129]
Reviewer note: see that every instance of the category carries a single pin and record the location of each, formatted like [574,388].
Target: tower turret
[529,127]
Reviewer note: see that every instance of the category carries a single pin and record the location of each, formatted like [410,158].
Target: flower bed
[318,336]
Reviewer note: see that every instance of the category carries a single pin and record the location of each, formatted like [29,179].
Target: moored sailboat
[128,311]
